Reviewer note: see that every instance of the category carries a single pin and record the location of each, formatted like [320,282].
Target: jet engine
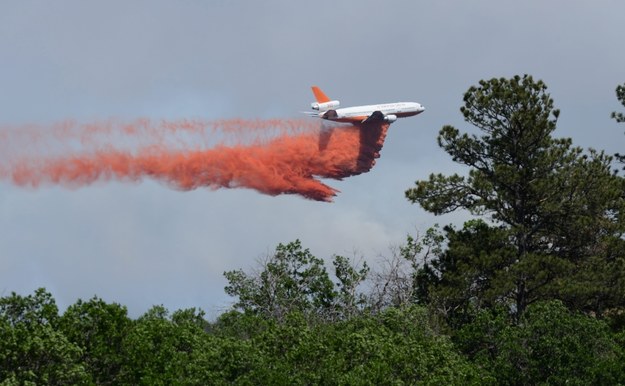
[390,118]
[325,106]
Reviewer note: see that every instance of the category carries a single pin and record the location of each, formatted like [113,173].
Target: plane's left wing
[374,117]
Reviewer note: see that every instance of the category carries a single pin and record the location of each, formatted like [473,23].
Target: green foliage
[393,347]
[418,252]
[550,345]
[556,208]
[37,309]
[160,350]
[32,350]
[620,95]
[472,272]
[99,329]
[618,116]
[348,300]
[291,280]
[517,118]
[239,325]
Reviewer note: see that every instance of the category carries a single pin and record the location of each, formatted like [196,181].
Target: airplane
[358,115]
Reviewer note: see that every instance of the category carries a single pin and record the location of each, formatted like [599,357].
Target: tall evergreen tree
[556,206]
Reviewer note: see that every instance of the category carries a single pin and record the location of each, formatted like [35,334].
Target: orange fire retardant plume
[271,156]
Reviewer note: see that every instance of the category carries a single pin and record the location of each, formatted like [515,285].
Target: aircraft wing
[374,117]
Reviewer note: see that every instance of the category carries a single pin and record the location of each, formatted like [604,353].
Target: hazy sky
[142,244]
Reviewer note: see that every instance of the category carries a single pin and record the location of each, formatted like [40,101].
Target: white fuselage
[357,115]
[388,112]
[399,109]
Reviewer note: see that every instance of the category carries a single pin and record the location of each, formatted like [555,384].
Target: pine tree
[555,205]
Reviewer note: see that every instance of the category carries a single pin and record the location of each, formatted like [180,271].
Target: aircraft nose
[420,108]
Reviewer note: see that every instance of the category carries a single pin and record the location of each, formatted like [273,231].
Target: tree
[164,349]
[550,345]
[396,283]
[99,329]
[470,273]
[556,206]
[291,280]
[32,350]
[349,301]
[395,346]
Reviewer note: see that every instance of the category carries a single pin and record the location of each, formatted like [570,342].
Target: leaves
[550,345]
[620,95]
[98,329]
[32,349]
[291,280]
[556,206]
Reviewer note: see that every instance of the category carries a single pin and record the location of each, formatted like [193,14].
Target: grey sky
[144,244]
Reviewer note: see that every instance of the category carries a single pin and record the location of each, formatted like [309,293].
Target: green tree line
[530,290]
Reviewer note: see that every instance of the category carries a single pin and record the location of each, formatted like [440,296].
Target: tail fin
[319,95]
